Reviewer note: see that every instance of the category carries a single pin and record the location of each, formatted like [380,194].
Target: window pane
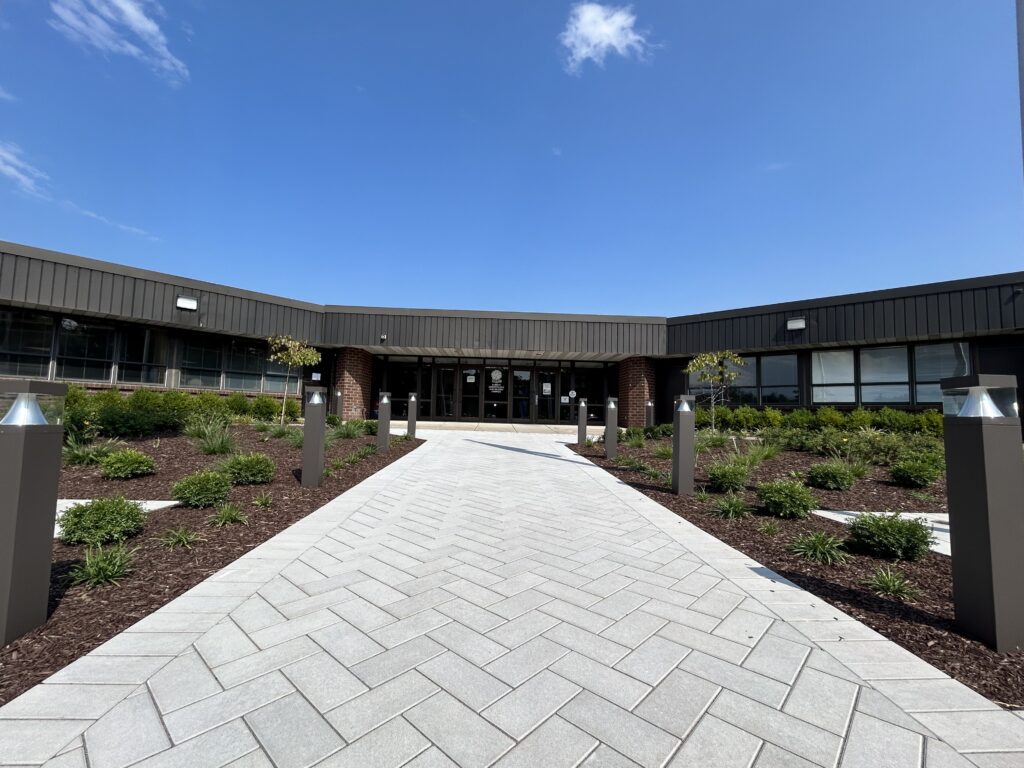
[245,358]
[197,378]
[885,393]
[778,370]
[24,365]
[29,334]
[134,373]
[928,393]
[779,395]
[940,361]
[833,394]
[85,340]
[743,396]
[746,374]
[246,381]
[832,367]
[202,354]
[883,364]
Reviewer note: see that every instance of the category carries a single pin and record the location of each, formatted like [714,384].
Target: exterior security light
[314,431]
[981,396]
[24,412]
[410,430]
[384,400]
[187,303]
[683,406]
[649,403]
[796,323]
[611,405]
[384,338]
[684,438]
[412,398]
[31,403]
[316,397]
[384,423]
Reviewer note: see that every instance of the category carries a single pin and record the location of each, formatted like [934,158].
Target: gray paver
[652,660]
[389,746]
[678,703]
[464,680]
[460,733]
[324,681]
[130,732]
[208,713]
[716,742]
[220,746]
[615,686]
[520,711]
[65,701]
[293,733]
[32,742]
[526,660]
[556,744]
[378,705]
[393,662]
[626,733]
[469,644]
[873,742]
[183,681]
[736,678]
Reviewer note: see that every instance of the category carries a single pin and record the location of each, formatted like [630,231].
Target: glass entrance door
[546,394]
[470,398]
[445,400]
[522,384]
[496,393]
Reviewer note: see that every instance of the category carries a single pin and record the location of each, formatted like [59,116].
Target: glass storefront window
[934,362]
[85,350]
[832,379]
[201,364]
[780,382]
[884,375]
[277,375]
[25,341]
[143,356]
[244,369]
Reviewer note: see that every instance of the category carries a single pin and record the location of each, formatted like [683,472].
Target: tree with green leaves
[294,354]
[718,370]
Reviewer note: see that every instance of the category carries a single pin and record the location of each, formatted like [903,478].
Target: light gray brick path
[492,599]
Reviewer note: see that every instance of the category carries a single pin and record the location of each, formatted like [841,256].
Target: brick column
[352,374]
[636,387]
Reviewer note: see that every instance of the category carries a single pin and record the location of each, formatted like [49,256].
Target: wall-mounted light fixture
[796,323]
[187,303]
[384,338]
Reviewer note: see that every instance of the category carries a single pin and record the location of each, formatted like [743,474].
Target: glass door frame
[556,396]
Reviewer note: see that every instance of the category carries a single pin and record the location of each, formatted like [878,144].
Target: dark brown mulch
[81,619]
[923,626]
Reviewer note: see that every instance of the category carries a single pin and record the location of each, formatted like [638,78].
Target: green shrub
[726,476]
[295,438]
[278,431]
[819,547]
[177,407]
[263,500]
[348,430]
[663,451]
[859,418]
[701,494]
[800,418]
[369,426]
[79,421]
[238,404]
[707,440]
[771,418]
[264,408]
[209,406]
[179,537]
[101,521]
[892,420]
[202,489]
[77,452]
[829,417]
[212,437]
[228,514]
[730,507]
[746,419]
[930,423]
[249,469]
[915,473]
[125,464]
[333,420]
[103,566]
[831,476]
[786,498]
[768,528]
[889,536]
[889,583]
[758,452]
[292,409]
[636,441]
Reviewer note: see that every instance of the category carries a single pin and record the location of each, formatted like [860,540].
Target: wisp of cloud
[594,30]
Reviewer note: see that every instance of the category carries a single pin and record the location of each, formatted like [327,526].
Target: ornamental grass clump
[211,435]
[727,477]
[889,536]
[179,537]
[101,521]
[228,514]
[730,507]
[663,451]
[819,547]
[103,566]
[786,498]
[79,452]
[202,489]
[831,476]
[249,469]
[889,583]
[915,472]
[126,464]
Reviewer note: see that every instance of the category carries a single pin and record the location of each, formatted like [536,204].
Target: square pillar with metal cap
[314,432]
[684,457]
[31,434]
[384,423]
[611,428]
[413,408]
[581,427]
[985,492]
[649,413]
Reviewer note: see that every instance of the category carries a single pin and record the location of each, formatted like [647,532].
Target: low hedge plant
[727,477]
[126,464]
[915,472]
[249,469]
[831,476]
[101,521]
[202,489]
[889,536]
[786,498]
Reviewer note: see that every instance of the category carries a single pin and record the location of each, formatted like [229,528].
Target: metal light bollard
[31,434]
[683,441]
[384,423]
[984,487]
[313,432]
[611,428]
[649,414]
[581,431]
[413,407]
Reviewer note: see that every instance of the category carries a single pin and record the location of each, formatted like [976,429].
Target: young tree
[294,354]
[718,370]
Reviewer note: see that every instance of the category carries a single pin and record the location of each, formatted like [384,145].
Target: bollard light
[413,407]
[581,429]
[314,431]
[31,434]
[683,442]
[984,487]
[384,423]
[649,413]
[611,428]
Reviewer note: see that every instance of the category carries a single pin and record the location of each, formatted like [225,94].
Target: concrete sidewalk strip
[494,599]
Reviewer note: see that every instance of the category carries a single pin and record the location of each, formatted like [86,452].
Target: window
[884,375]
[244,368]
[277,376]
[142,358]
[780,383]
[200,363]
[832,378]
[743,389]
[934,362]
[25,341]
[84,350]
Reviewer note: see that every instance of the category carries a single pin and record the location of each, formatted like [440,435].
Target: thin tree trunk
[284,402]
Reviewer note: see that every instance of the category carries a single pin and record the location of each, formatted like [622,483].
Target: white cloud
[6,95]
[594,30]
[123,27]
[32,181]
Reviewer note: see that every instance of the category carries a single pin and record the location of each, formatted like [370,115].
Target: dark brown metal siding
[943,314]
[572,337]
[31,282]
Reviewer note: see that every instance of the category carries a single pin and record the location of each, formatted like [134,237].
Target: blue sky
[661,158]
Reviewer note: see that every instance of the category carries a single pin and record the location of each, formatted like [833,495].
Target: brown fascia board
[924,289]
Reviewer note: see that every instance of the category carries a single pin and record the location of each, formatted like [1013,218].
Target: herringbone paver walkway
[495,600]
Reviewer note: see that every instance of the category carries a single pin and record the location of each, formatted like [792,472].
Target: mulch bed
[81,618]
[923,626]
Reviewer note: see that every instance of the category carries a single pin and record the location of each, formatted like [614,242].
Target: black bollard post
[683,438]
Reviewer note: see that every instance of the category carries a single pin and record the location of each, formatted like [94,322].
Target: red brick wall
[636,387]
[352,379]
